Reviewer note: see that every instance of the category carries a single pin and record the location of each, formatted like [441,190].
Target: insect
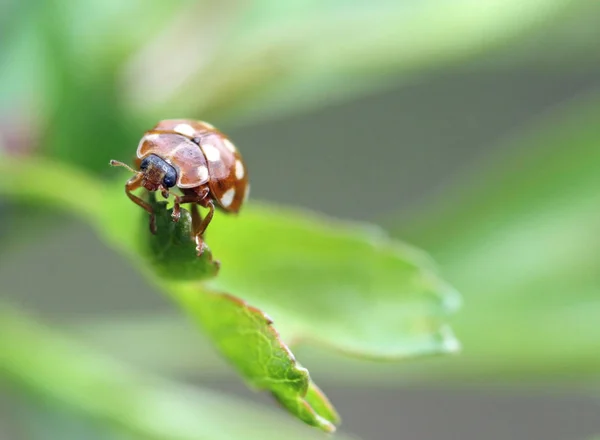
[196,158]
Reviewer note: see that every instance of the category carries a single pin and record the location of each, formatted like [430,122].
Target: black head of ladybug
[157,172]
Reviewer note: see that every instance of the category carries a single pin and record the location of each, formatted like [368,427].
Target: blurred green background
[468,128]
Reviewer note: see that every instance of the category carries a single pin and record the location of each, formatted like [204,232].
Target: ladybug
[196,158]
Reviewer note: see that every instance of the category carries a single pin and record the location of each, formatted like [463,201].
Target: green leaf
[245,335]
[344,286]
[323,281]
[87,383]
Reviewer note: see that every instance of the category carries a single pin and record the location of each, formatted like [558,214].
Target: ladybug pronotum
[196,158]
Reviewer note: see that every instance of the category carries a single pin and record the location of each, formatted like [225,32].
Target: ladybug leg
[188,198]
[196,218]
[202,224]
[199,228]
[133,184]
[207,203]
[196,222]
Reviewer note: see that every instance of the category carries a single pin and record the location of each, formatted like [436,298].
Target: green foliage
[129,402]
[341,275]
[521,245]
[518,240]
[277,58]
[80,82]
[82,71]
[245,335]
[296,267]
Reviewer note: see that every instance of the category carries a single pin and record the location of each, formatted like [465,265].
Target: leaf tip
[172,250]
[319,401]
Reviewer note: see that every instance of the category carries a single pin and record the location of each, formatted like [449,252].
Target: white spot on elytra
[211,152]
[229,145]
[151,137]
[203,173]
[185,129]
[212,127]
[239,170]
[227,197]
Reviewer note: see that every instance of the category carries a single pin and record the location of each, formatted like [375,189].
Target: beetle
[196,158]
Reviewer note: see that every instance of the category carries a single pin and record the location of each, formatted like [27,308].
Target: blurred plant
[69,79]
[129,403]
[68,69]
[522,242]
[517,239]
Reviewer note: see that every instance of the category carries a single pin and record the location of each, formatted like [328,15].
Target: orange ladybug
[196,158]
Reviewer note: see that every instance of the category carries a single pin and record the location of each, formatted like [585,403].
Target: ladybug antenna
[116,163]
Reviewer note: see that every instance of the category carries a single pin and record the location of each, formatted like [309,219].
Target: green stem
[53,184]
